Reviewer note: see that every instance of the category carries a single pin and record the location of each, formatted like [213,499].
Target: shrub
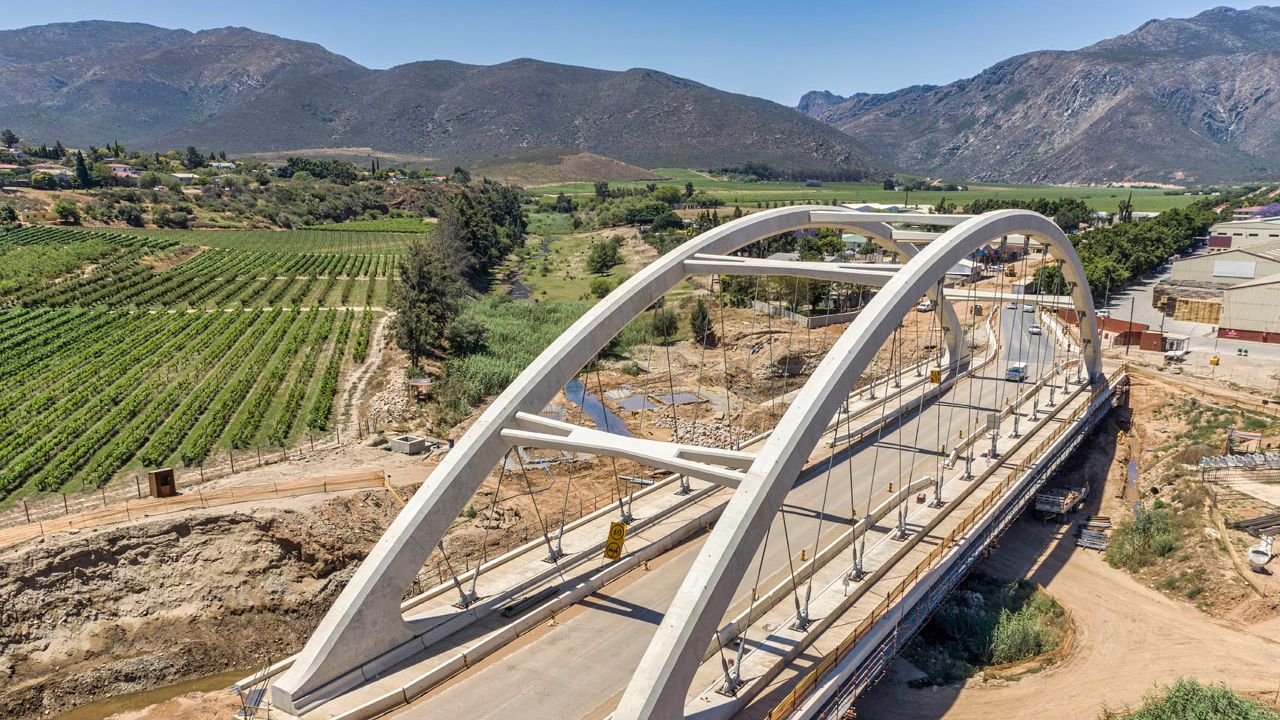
[1137,543]
[601,286]
[665,324]
[1187,699]
[467,335]
[66,211]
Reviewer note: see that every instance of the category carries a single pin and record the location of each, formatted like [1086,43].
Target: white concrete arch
[658,687]
[364,630]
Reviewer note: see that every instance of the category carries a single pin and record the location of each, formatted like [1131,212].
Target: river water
[603,417]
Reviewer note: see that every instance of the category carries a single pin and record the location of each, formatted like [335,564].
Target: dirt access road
[1129,638]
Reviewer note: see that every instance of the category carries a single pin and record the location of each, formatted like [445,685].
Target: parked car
[1104,313]
[924,306]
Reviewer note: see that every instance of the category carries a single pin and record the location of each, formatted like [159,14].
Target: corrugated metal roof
[1268,280]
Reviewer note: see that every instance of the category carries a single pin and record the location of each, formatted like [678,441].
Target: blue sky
[776,50]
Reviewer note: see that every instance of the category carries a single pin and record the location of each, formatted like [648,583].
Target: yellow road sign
[1213,360]
[935,376]
[613,545]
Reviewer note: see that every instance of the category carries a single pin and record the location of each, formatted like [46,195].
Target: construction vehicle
[1060,501]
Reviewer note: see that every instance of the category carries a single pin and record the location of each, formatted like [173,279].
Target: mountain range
[239,90]
[1177,100]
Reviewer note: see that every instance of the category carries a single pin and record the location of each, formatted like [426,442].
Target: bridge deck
[852,609]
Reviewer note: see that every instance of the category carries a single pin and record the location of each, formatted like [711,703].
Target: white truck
[1060,501]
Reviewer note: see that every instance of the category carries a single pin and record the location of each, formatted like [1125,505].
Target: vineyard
[122,351]
[357,240]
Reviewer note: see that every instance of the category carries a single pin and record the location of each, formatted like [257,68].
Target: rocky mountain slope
[239,90]
[1177,100]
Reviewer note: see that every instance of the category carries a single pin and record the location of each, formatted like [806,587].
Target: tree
[8,138]
[66,211]
[668,194]
[700,324]
[665,324]
[460,175]
[602,256]
[1125,211]
[564,204]
[667,221]
[426,296]
[600,286]
[131,214]
[688,189]
[83,178]
[193,158]
[467,335]
[602,189]
[888,184]
[8,215]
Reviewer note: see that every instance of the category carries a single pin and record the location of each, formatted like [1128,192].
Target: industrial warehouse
[1234,286]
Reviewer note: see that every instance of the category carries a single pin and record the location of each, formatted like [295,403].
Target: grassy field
[352,241]
[386,225]
[749,193]
[560,275]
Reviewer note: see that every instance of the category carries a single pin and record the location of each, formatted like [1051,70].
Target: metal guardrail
[789,703]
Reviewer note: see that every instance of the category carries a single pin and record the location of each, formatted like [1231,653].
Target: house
[184,178]
[1255,212]
[6,167]
[223,165]
[784,256]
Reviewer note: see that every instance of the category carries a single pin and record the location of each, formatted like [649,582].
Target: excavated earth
[128,608]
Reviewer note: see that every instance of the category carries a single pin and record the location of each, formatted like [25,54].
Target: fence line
[137,509]
[56,505]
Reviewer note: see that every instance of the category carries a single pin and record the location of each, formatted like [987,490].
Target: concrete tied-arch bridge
[715,651]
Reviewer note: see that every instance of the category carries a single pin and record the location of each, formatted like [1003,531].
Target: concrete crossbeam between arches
[722,467]
[853,273]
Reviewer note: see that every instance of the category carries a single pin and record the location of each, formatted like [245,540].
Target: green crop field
[747,194]
[157,352]
[349,241]
[381,225]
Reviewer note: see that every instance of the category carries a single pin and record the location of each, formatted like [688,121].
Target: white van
[1017,372]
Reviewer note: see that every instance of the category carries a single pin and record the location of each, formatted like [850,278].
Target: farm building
[1251,310]
[1230,266]
[1241,234]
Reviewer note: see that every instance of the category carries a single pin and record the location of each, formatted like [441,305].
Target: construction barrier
[193,499]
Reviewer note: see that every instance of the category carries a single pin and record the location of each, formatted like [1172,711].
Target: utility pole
[1132,301]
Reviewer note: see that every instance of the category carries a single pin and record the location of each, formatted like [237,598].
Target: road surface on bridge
[578,667]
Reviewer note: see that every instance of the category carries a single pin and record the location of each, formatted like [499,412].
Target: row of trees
[1115,255]
[1068,213]
[478,226]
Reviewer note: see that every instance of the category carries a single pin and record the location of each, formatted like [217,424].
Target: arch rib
[364,631]
[661,681]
